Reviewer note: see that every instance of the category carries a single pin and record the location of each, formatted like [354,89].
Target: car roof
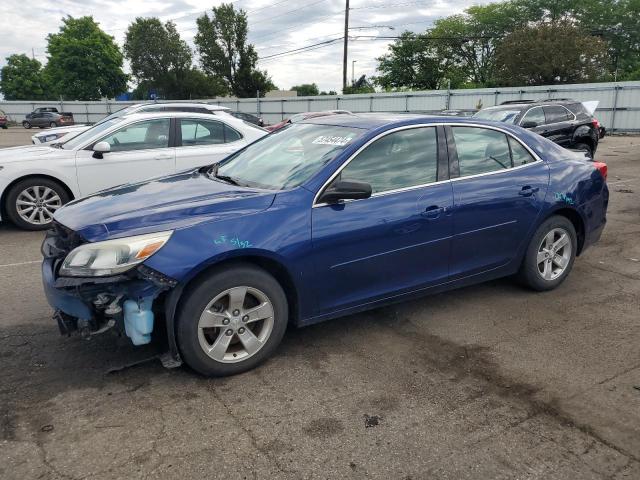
[370,121]
[529,103]
[208,106]
[206,116]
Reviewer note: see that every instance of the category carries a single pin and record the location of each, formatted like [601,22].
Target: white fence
[618,110]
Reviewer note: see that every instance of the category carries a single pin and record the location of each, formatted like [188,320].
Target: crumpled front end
[129,302]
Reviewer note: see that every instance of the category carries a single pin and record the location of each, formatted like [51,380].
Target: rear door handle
[527,191]
[433,212]
[165,156]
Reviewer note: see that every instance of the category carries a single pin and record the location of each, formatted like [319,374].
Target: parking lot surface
[491,381]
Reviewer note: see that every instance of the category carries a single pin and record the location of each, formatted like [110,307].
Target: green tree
[523,57]
[84,62]
[410,63]
[306,89]
[224,52]
[22,79]
[159,58]
[465,44]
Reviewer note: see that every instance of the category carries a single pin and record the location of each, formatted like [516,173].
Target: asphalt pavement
[491,381]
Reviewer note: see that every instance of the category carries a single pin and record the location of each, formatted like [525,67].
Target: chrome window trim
[549,105]
[535,156]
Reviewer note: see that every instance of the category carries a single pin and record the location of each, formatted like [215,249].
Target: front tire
[550,254]
[231,321]
[26,125]
[31,203]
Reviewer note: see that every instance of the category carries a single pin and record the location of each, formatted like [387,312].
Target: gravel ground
[491,381]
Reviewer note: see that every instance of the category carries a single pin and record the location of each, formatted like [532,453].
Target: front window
[288,157]
[87,135]
[401,159]
[507,115]
[535,116]
[144,135]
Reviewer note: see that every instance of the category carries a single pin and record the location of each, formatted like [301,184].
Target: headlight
[112,256]
[51,137]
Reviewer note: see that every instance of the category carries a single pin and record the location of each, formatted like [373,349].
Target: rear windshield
[506,115]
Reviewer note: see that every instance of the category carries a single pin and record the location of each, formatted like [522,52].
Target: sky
[275,26]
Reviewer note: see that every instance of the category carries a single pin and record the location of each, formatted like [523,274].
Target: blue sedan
[321,219]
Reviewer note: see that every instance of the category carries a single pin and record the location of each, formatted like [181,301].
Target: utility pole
[346,43]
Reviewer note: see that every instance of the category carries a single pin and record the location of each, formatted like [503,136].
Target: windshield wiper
[213,173]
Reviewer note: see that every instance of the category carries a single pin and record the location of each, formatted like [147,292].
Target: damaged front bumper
[131,302]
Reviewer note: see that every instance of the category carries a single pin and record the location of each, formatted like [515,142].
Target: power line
[393,5]
[301,49]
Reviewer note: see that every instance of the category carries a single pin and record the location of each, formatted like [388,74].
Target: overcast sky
[275,26]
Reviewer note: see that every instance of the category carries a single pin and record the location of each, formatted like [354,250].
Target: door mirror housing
[345,190]
[529,124]
[100,148]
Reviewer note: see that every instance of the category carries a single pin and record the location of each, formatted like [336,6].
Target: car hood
[70,128]
[166,203]
[31,152]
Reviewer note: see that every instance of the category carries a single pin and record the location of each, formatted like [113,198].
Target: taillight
[602,168]
[596,123]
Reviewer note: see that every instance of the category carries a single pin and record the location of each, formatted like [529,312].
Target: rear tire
[53,125]
[36,198]
[220,330]
[26,125]
[550,254]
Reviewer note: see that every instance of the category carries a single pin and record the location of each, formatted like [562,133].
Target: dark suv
[565,122]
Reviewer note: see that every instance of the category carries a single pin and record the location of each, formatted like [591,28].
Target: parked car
[67,133]
[565,122]
[37,180]
[47,117]
[3,120]
[323,218]
[247,117]
[459,112]
[299,117]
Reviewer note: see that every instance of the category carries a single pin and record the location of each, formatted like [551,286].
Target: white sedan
[37,180]
[62,134]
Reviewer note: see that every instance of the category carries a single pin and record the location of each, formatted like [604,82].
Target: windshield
[498,115]
[88,134]
[288,157]
[118,114]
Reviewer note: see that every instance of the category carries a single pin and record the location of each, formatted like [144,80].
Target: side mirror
[101,148]
[345,190]
[529,124]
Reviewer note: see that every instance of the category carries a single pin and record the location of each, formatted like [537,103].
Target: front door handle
[433,212]
[527,191]
[166,156]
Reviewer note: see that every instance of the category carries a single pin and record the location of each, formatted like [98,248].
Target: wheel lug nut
[241,330]
[245,318]
[225,321]
[229,332]
[236,313]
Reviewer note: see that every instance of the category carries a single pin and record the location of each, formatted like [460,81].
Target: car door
[139,151]
[397,240]
[558,127]
[498,191]
[203,142]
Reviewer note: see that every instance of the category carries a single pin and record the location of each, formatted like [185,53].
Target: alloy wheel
[236,324]
[37,204]
[554,254]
